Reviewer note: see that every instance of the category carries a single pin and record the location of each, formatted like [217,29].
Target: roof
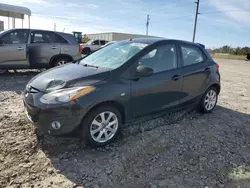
[154,40]
[14,11]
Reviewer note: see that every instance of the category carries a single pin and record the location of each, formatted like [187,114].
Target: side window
[96,42]
[161,58]
[60,39]
[42,37]
[102,42]
[15,37]
[191,55]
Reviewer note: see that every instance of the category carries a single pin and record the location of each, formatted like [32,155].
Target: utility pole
[196,16]
[147,24]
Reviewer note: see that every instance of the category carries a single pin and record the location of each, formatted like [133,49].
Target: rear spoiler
[202,45]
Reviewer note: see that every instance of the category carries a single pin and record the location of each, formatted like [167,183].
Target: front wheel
[209,100]
[101,126]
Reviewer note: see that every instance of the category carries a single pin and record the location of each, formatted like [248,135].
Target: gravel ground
[184,149]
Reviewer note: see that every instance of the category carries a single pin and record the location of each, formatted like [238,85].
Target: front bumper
[68,115]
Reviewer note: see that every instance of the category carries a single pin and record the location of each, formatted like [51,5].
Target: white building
[113,36]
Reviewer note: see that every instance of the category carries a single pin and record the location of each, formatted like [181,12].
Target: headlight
[66,95]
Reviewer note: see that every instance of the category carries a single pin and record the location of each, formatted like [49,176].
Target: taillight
[217,66]
[80,48]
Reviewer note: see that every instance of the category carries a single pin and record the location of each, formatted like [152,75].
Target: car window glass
[96,42]
[60,39]
[161,58]
[102,42]
[150,54]
[191,55]
[15,37]
[42,37]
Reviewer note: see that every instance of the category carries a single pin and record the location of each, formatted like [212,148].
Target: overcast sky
[220,22]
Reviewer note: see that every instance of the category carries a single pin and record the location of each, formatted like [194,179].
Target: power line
[239,10]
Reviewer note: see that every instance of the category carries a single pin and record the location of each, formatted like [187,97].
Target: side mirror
[144,71]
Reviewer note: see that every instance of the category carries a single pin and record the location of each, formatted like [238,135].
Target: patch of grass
[236,57]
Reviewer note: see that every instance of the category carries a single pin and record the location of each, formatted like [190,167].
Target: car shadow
[16,81]
[197,150]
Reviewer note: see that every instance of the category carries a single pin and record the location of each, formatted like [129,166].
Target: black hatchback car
[123,81]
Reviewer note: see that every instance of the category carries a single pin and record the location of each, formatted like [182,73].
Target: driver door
[13,49]
[163,89]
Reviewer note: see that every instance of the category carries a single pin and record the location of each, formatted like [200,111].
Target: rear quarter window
[60,39]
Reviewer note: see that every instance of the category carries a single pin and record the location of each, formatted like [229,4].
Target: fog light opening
[56,125]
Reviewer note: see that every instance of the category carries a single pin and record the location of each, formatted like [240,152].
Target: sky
[221,22]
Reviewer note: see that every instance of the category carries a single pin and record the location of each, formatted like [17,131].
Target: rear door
[13,49]
[162,90]
[196,72]
[43,47]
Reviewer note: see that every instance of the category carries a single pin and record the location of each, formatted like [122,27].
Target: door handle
[20,48]
[176,77]
[207,70]
[54,47]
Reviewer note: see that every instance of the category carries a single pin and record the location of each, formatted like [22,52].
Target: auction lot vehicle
[119,83]
[31,48]
[92,46]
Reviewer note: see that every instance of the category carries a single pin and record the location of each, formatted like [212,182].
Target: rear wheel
[101,126]
[61,61]
[209,100]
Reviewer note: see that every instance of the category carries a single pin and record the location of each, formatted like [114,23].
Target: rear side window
[191,55]
[42,37]
[60,39]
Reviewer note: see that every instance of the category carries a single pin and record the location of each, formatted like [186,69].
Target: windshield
[113,56]
[89,42]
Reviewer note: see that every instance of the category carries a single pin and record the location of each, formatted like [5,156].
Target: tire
[86,51]
[60,61]
[103,130]
[208,100]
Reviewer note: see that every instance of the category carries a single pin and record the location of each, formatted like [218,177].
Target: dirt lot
[185,149]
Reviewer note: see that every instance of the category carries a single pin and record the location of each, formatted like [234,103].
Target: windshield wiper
[87,65]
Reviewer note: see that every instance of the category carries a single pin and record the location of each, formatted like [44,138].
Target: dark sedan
[121,82]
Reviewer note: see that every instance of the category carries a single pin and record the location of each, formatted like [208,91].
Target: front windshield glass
[89,42]
[113,56]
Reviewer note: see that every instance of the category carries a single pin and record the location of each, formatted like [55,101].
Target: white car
[92,46]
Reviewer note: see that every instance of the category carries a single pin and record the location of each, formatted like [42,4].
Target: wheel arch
[55,57]
[216,86]
[114,104]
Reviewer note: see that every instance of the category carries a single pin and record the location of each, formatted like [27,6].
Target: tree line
[234,51]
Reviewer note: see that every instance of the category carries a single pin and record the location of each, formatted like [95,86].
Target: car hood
[69,75]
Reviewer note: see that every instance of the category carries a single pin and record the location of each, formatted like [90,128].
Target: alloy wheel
[104,127]
[210,100]
[61,62]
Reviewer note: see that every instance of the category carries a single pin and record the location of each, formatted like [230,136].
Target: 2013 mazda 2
[123,81]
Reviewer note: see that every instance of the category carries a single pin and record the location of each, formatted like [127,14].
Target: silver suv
[30,48]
